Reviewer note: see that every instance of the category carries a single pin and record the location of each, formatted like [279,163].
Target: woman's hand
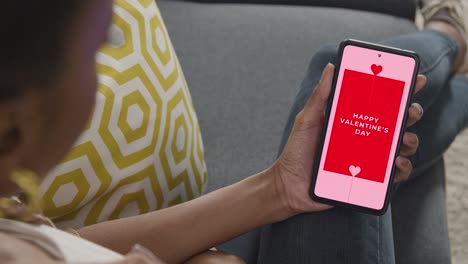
[410,141]
[293,169]
[214,257]
[140,255]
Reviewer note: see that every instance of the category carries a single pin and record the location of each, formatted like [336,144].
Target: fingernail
[142,250]
[326,71]
[419,109]
[407,163]
[136,248]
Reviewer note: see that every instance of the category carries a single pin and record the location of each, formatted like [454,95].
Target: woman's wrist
[274,195]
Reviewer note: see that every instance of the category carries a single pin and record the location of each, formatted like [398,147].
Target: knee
[323,56]
[318,62]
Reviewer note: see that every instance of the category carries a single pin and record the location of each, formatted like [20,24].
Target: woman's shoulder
[18,251]
[57,244]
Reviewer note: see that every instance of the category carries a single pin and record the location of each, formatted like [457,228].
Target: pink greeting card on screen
[364,126]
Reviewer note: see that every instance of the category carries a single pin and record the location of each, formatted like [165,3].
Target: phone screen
[365,121]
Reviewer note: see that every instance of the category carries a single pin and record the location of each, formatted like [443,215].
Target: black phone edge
[383,48]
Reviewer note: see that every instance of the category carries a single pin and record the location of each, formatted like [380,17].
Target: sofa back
[400,8]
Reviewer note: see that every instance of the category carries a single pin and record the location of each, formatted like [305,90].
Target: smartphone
[364,125]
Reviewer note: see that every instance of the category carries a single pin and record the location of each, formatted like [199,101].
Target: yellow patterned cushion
[142,149]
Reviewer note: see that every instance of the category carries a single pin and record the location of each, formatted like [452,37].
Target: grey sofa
[243,64]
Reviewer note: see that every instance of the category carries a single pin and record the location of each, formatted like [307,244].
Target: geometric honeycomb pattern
[142,149]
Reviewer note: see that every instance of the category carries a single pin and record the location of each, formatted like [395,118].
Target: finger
[415,113]
[410,144]
[421,80]
[140,254]
[315,106]
[404,168]
[135,259]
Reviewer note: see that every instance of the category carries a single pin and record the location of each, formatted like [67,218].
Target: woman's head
[47,78]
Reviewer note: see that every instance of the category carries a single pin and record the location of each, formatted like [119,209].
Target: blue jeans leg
[344,236]
[419,211]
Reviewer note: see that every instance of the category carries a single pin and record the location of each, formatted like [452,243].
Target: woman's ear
[9,141]
[9,130]
[10,144]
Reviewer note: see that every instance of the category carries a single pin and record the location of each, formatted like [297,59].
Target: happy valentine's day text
[363,124]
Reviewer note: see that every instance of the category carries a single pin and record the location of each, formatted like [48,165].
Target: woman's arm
[177,233]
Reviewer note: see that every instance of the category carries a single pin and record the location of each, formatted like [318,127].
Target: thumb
[315,106]
[305,134]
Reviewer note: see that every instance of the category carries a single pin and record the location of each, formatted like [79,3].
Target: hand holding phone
[293,170]
[364,126]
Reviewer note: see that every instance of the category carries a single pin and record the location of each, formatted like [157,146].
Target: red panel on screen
[364,125]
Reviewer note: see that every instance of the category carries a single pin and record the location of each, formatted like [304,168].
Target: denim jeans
[344,236]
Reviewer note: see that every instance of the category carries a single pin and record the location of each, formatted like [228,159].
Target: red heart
[376,69]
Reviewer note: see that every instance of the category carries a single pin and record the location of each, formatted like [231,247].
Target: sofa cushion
[142,149]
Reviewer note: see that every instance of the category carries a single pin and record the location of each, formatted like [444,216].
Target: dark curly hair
[32,42]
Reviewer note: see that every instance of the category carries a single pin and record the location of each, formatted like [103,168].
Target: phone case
[327,120]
